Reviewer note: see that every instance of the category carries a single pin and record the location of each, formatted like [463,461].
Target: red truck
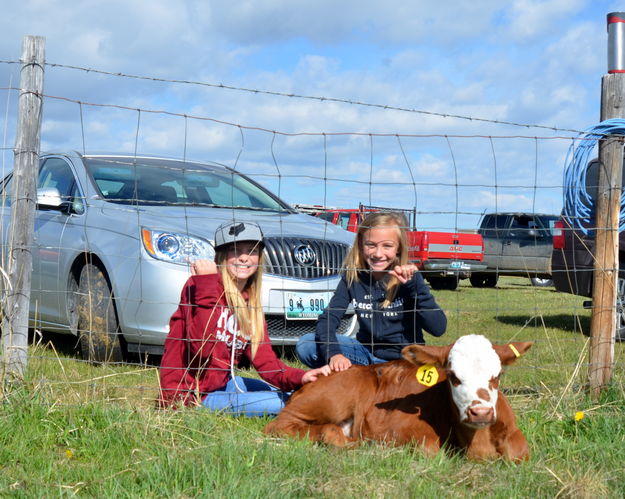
[443,257]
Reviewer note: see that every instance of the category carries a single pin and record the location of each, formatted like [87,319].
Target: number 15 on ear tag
[427,375]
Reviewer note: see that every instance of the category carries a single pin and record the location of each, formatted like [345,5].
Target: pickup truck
[516,244]
[442,257]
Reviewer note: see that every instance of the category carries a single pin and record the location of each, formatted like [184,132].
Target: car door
[525,244]
[545,242]
[58,237]
[493,230]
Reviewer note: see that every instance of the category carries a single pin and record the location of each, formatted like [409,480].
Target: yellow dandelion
[579,415]
[69,453]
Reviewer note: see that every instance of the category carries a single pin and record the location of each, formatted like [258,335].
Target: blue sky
[522,61]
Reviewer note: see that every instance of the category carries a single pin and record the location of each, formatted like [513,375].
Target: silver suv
[114,235]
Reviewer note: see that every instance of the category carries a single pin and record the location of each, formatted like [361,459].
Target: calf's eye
[453,378]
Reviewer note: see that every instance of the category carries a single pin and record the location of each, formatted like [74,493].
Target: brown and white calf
[435,395]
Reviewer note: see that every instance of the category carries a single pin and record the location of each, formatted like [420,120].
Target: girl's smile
[380,246]
[242,261]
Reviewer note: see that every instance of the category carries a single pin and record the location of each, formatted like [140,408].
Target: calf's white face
[473,370]
[473,366]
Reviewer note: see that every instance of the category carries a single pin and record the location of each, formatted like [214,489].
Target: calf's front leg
[330,433]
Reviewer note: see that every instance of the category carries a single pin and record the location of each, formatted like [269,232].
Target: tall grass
[76,430]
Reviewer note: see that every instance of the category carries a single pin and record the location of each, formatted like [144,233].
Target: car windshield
[149,181]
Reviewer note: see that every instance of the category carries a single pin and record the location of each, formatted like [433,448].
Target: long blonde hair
[249,314]
[355,259]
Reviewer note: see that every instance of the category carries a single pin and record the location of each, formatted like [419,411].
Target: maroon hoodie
[198,348]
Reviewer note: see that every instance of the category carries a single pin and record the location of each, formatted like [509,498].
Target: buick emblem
[304,254]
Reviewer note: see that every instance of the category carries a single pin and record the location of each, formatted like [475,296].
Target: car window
[547,225]
[327,216]
[495,225]
[521,225]
[56,173]
[173,182]
[344,220]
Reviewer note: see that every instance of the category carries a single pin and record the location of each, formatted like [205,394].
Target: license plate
[459,265]
[304,305]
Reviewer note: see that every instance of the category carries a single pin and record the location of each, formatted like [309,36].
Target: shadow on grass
[564,322]
[64,344]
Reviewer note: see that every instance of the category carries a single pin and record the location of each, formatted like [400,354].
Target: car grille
[326,257]
[279,328]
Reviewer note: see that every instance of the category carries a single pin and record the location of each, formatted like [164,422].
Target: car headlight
[175,248]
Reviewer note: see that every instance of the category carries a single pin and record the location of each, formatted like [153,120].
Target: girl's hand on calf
[339,362]
[313,374]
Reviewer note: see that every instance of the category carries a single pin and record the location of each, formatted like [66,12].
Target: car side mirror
[49,198]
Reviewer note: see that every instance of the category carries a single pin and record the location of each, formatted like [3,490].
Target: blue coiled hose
[579,206]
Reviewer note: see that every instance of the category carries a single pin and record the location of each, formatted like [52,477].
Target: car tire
[98,329]
[541,283]
[447,283]
[480,280]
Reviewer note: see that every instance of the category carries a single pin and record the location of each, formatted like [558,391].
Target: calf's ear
[512,351]
[422,354]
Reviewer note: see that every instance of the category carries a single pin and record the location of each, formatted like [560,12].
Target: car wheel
[620,309]
[541,283]
[448,283]
[483,280]
[99,333]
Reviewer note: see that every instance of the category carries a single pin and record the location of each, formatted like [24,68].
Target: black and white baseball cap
[236,232]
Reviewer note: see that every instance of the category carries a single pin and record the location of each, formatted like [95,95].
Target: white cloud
[579,50]
[502,201]
[431,167]
[526,62]
[532,18]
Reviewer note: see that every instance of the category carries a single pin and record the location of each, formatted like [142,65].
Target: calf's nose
[481,414]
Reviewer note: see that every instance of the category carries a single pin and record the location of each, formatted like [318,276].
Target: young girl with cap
[391,300]
[220,323]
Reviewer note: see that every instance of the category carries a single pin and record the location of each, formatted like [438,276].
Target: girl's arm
[189,341]
[205,306]
[329,321]
[272,369]
[207,288]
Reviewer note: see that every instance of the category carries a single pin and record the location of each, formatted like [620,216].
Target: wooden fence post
[23,196]
[606,269]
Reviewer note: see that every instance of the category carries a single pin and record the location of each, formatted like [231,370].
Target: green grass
[75,430]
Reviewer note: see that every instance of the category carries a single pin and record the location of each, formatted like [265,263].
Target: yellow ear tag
[514,350]
[427,375]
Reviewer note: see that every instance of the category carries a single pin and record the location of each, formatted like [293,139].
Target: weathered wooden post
[604,315]
[26,166]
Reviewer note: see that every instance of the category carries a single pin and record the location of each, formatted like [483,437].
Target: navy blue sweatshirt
[383,331]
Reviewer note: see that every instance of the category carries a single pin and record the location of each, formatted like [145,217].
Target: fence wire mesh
[99,272]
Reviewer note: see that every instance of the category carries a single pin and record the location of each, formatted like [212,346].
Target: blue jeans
[257,398]
[310,353]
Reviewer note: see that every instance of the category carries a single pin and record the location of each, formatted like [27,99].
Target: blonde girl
[393,305]
[218,326]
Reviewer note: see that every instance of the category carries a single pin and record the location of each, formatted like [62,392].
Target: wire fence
[112,255]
